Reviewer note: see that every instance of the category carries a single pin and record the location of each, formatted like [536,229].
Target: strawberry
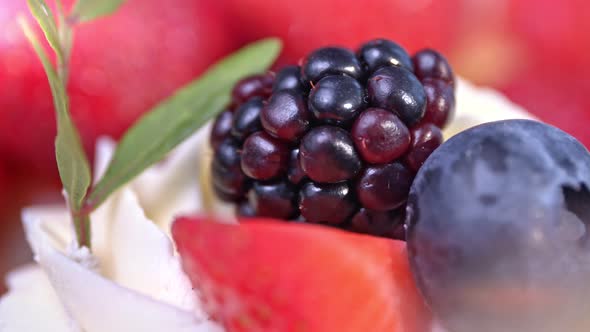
[263,275]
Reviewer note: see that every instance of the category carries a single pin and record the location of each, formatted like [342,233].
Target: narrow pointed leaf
[176,118]
[73,166]
[88,10]
[42,13]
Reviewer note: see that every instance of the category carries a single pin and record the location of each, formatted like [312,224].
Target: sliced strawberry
[269,276]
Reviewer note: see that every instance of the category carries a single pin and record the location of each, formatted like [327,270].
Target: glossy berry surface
[431,64]
[396,89]
[288,78]
[330,61]
[285,115]
[343,133]
[227,175]
[425,139]
[440,106]
[295,173]
[327,155]
[382,52]
[247,119]
[379,223]
[221,128]
[384,187]
[498,222]
[336,99]
[380,136]
[326,203]
[253,86]
[275,199]
[264,157]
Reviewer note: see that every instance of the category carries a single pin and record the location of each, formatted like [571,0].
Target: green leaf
[44,17]
[176,118]
[73,166]
[88,10]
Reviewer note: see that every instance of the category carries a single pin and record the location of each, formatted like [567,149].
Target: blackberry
[335,141]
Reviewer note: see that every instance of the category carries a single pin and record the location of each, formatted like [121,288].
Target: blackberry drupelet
[336,140]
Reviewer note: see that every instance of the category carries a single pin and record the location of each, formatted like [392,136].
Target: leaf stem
[83,231]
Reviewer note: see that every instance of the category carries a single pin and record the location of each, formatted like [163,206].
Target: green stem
[83,231]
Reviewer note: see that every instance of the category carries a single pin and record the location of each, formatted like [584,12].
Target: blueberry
[440,105]
[330,61]
[295,173]
[288,79]
[285,116]
[431,64]
[398,90]
[273,200]
[382,52]
[336,99]
[497,229]
[326,203]
[380,136]
[247,118]
[264,157]
[327,155]
[379,223]
[221,128]
[384,187]
[252,86]
[425,139]
[227,173]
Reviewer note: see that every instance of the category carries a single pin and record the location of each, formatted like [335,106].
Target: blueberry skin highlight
[496,230]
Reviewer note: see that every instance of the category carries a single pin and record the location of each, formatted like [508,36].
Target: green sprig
[154,135]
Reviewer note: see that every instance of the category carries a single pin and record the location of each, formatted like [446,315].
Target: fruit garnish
[341,133]
[154,134]
[265,275]
[498,229]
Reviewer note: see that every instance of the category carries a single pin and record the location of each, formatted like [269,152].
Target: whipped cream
[133,280]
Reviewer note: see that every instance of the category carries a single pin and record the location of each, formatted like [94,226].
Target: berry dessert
[336,140]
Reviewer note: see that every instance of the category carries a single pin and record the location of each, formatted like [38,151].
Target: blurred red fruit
[271,276]
[121,65]
[307,24]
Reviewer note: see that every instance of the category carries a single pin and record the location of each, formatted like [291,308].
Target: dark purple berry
[295,173]
[253,86]
[273,200]
[382,52]
[221,128]
[330,61]
[431,64]
[327,155]
[326,203]
[288,78]
[425,139]
[264,157]
[286,116]
[440,106]
[247,118]
[245,210]
[378,223]
[384,187]
[225,196]
[336,99]
[398,90]
[227,173]
[380,136]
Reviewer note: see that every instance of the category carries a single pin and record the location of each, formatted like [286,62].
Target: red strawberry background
[534,51]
